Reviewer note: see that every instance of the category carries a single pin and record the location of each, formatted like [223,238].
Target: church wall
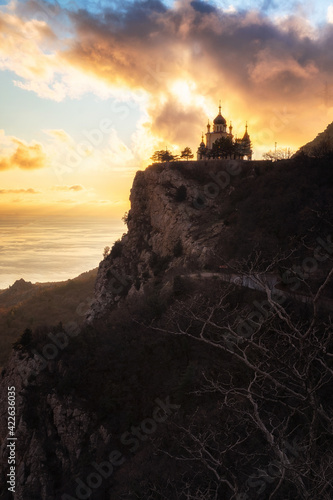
[213,136]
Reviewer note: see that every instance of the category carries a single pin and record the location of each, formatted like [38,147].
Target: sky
[89,90]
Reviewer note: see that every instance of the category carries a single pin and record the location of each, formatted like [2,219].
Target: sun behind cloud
[175,62]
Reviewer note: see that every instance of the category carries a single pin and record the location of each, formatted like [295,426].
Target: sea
[44,249]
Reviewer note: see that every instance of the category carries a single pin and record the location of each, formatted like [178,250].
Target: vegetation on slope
[29,306]
[251,374]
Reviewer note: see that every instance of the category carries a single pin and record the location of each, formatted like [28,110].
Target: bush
[24,342]
[126,217]
[117,249]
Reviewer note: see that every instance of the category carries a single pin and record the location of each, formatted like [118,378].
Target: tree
[246,148]
[126,217]
[24,341]
[222,148]
[163,156]
[117,249]
[187,153]
[106,251]
[323,149]
[278,154]
[275,404]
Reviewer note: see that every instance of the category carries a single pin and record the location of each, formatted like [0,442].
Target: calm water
[53,248]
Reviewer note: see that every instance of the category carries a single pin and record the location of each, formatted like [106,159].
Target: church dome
[246,136]
[219,120]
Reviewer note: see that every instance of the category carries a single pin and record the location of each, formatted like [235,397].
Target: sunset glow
[89,92]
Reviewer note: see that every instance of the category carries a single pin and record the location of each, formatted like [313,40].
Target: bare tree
[274,398]
[278,154]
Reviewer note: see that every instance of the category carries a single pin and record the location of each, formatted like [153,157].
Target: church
[220,142]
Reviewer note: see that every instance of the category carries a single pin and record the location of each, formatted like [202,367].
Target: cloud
[182,59]
[257,66]
[24,156]
[76,187]
[59,135]
[19,191]
[330,14]
[203,7]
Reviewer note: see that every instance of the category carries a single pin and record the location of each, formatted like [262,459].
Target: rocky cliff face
[166,226]
[51,430]
[78,389]
[167,232]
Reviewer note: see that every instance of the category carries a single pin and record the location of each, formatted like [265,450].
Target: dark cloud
[115,49]
[259,67]
[268,5]
[202,7]
[173,121]
[252,63]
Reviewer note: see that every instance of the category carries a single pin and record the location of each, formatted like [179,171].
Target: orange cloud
[19,191]
[269,73]
[180,61]
[77,187]
[26,157]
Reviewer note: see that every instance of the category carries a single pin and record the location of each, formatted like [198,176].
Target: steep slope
[154,386]
[26,305]
[203,215]
[321,144]
[175,221]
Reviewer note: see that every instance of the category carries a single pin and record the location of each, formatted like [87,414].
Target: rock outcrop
[166,231]
[165,227]
[180,213]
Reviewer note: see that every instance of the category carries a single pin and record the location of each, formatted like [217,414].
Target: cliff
[152,373]
[174,223]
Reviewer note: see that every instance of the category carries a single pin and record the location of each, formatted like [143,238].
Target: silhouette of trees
[24,341]
[106,251]
[222,148]
[126,217]
[275,404]
[186,153]
[163,156]
[322,150]
[278,154]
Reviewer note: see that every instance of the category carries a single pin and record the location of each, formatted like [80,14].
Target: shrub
[24,342]
[126,217]
[106,252]
[117,249]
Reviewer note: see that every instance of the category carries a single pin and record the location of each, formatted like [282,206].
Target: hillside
[26,305]
[199,373]
[321,144]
